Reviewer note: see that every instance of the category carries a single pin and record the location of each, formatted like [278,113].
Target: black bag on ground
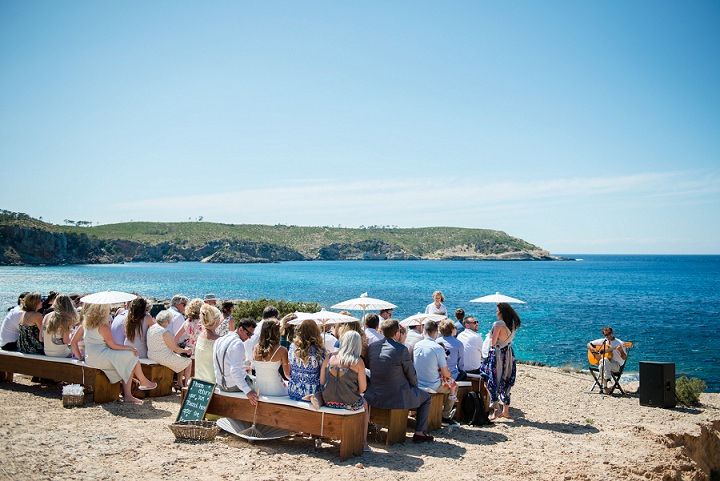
[474,412]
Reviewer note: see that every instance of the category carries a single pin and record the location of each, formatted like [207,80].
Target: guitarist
[612,354]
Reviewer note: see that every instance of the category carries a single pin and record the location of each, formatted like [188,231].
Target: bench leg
[436,407]
[351,439]
[397,426]
[103,391]
[6,376]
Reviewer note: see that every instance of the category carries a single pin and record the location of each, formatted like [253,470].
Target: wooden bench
[78,372]
[463,388]
[283,412]
[396,421]
[60,369]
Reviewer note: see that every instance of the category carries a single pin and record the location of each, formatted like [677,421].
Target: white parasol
[322,317]
[107,297]
[420,318]
[364,303]
[497,298]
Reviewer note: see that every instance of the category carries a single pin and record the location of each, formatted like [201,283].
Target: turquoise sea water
[668,306]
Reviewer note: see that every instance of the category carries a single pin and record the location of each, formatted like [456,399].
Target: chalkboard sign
[196,401]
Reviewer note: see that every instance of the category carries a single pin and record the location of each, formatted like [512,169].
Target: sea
[667,306]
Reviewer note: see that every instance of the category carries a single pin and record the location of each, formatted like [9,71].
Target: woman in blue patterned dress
[306,356]
[499,367]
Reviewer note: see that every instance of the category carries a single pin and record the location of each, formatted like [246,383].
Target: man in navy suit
[394,381]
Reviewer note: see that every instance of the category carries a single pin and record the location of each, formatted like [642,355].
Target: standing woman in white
[437,307]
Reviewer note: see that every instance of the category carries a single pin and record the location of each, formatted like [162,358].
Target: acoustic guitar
[604,350]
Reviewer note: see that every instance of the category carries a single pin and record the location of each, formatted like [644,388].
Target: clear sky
[582,127]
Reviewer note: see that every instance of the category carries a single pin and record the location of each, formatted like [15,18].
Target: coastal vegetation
[28,241]
[688,391]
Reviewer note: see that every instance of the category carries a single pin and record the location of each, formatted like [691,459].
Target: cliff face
[31,246]
[32,242]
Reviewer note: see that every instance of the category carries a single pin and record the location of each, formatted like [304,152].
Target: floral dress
[193,330]
[499,369]
[304,380]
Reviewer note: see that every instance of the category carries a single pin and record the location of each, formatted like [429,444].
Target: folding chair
[614,378]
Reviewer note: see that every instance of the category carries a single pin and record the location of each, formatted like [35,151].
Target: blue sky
[582,127]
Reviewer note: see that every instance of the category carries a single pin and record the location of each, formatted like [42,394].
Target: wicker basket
[71,400]
[194,430]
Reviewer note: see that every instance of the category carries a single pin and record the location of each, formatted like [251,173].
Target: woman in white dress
[117,361]
[437,306]
[57,327]
[269,357]
[210,318]
[163,349]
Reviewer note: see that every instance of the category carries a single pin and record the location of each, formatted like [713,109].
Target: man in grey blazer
[393,381]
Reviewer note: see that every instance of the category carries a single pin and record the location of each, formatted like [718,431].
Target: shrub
[254,309]
[688,391]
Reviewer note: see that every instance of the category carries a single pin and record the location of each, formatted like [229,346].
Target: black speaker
[657,384]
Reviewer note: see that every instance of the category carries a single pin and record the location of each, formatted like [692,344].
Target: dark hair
[509,316]
[269,338]
[459,314]
[269,312]
[607,330]
[135,317]
[372,320]
[22,296]
[227,307]
[389,327]
[385,311]
[245,322]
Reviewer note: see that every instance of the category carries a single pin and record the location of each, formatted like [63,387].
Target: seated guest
[137,324]
[10,329]
[29,341]
[460,317]
[191,328]
[270,312]
[341,329]
[117,327]
[343,379]
[414,335]
[287,330]
[210,317]
[472,341]
[394,380]
[609,363]
[372,321]
[163,349]
[454,348]
[229,360]
[269,358]
[306,356]
[228,321]
[431,366]
[118,362]
[329,339]
[177,308]
[57,327]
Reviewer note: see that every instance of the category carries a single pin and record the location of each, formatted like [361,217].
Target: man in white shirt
[177,308]
[613,354]
[472,341]
[414,335]
[229,360]
[372,321]
[430,363]
[10,329]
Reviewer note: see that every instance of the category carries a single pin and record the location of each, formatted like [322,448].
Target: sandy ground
[558,432]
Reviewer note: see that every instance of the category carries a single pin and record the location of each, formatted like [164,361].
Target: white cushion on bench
[285,400]
[66,360]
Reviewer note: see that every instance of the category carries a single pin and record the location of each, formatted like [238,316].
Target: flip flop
[138,402]
[148,388]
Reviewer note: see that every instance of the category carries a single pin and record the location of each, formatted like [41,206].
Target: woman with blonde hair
[306,356]
[344,380]
[269,357]
[210,317]
[137,323]
[117,361]
[29,341]
[191,328]
[57,326]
